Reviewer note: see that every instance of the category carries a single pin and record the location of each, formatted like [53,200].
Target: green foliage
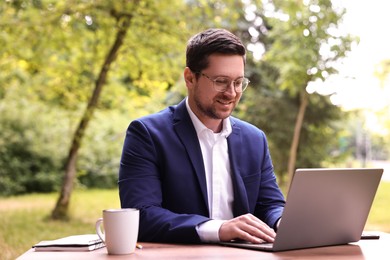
[301,42]
[34,144]
[274,111]
[29,162]
[52,52]
[61,64]
[305,41]
[99,157]
[53,63]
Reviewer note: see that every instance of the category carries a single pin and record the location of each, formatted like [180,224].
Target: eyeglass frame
[214,80]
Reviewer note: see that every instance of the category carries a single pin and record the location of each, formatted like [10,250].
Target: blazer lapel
[240,205]
[185,130]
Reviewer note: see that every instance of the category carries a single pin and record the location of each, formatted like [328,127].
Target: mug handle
[99,230]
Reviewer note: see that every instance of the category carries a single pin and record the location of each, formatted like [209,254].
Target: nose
[231,91]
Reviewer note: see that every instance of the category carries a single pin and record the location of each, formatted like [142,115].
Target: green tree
[123,20]
[66,49]
[61,54]
[305,44]
[58,53]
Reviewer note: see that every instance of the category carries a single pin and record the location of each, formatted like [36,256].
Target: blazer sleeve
[257,190]
[142,174]
[270,202]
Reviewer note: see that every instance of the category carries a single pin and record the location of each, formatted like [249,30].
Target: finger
[255,227]
[260,232]
[243,235]
[246,227]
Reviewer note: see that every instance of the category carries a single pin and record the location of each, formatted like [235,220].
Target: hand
[246,227]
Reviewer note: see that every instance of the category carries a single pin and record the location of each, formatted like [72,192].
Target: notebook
[87,242]
[324,207]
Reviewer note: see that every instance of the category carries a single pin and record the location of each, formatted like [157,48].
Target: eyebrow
[225,76]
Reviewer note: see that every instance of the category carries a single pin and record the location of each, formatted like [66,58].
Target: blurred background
[73,74]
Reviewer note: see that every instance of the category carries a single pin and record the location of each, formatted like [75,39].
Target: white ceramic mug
[120,230]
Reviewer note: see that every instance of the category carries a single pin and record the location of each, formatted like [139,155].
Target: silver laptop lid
[326,207]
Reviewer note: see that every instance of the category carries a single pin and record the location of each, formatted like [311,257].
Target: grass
[379,217]
[25,219]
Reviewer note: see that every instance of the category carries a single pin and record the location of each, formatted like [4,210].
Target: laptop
[324,207]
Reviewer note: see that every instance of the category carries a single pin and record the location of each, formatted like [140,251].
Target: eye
[222,81]
[239,82]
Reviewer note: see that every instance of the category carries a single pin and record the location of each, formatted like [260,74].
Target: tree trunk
[61,209]
[297,133]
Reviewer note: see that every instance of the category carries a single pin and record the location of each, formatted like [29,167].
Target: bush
[24,167]
[99,158]
[34,145]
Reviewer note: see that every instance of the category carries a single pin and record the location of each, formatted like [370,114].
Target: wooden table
[364,249]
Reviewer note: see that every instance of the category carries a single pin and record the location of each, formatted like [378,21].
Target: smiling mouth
[225,102]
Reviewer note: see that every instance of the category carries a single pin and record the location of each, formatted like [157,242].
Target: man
[196,173]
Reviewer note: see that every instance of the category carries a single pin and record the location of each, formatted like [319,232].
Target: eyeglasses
[221,84]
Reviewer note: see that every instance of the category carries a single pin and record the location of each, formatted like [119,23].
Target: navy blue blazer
[162,173]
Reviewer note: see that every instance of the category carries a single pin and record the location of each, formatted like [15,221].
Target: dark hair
[211,41]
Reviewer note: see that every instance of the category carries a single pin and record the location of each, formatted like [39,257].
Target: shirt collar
[200,127]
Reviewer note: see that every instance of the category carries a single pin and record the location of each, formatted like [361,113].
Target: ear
[189,77]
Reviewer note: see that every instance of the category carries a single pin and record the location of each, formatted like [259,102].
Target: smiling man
[196,173]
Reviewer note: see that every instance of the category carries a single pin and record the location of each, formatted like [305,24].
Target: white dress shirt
[219,183]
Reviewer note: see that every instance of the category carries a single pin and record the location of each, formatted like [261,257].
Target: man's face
[209,105]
